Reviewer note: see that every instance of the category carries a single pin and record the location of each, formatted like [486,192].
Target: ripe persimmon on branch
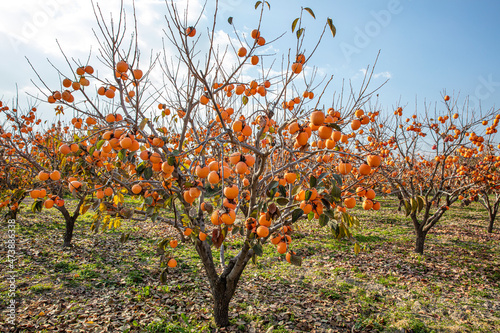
[216,149]
[430,159]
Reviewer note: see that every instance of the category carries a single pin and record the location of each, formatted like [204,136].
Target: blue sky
[426,46]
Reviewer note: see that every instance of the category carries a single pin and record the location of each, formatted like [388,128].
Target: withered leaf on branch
[217,238]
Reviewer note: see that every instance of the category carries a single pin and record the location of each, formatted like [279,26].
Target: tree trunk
[492,220]
[420,241]
[221,304]
[68,234]
[70,223]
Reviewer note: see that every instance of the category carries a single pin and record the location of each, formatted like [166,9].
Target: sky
[426,47]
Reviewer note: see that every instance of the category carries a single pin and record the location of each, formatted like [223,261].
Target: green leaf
[294,24]
[282,190]
[296,214]
[323,219]
[148,173]
[141,167]
[335,192]
[320,177]
[254,213]
[330,213]
[230,20]
[148,201]
[309,10]
[326,203]
[244,99]
[154,217]
[337,178]
[296,189]
[122,154]
[310,216]
[273,184]
[332,27]
[312,182]
[171,160]
[308,195]
[257,249]
[168,201]
[282,201]
[235,230]
[335,127]
[36,207]
[299,32]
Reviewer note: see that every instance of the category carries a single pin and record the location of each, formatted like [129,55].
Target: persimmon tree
[482,169]
[36,165]
[429,159]
[221,149]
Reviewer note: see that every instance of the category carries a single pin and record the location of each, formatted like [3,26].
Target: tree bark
[420,241]
[222,296]
[491,221]
[68,234]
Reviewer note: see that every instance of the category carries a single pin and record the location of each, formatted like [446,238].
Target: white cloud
[362,72]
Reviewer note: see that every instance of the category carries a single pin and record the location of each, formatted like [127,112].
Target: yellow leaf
[118,199]
[143,123]
[357,248]
[84,208]
[102,207]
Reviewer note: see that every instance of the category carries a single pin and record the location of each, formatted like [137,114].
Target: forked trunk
[223,286]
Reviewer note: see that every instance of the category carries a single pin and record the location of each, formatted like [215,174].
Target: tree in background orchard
[482,169]
[38,164]
[231,151]
[430,159]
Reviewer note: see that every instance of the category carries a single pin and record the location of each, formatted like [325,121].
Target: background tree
[38,165]
[429,159]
